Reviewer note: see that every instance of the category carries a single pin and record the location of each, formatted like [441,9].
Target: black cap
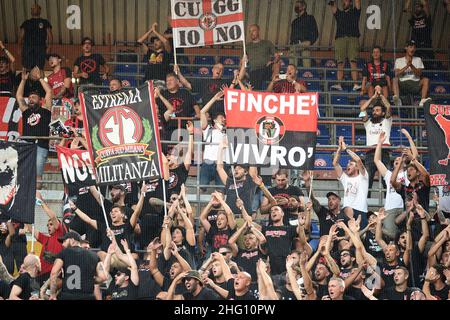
[51,55]
[411,43]
[70,235]
[331,193]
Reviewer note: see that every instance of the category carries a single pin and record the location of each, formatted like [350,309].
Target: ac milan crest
[208,21]
[270,130]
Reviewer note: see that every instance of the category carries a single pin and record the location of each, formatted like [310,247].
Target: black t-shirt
[180,288]
[247,296]
[279,244]
[322,291]
[218,237]
[178,176]
[91,65]
[150,228]
[392,294]
[387,273]
[123,231]
[24,282]
[158,65]
[208,89]
[422,191]
[246,260]
[4,290]
[356,293]
[35,30]
[372,246]
[421,30]
[130,292]
[278,193]
[79,272]
[7,82]
[440,294]
[204,294]
[148,288]
[287,295]
[326,220]
[347,23]
[183,103]
[246,190]
[35,124]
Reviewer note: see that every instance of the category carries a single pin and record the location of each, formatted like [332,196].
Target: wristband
[362,114]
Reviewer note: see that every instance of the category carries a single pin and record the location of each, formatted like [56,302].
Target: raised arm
[50,213]
[228,211]
[203,113]
[337,156]
[219,167]
[379,231]
[144,37]
[183,80]
[11,58]
[19,94]
[425,230]
[395,184]
[292,279]
[83,216]
[232,240]
[173,285]
[190,150]
[204,215]
[156,274]
[166,43]
[425,176]
[190,233]
[56,269]
[377,157]
[169,107]
[366,105]
[48,90]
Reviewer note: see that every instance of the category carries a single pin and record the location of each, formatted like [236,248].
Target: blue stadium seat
[435,76]
[315,230]
[361,63]
[331,74]
[328,63]
[204,60]
[324,135]
[343,161]
[229,60]
[284,63]
[125,68]
[439,89]
[324,161]
[344,130]
[445,101]
[307,74]
[228,72]
[339,100]
[313,86]
[359,98]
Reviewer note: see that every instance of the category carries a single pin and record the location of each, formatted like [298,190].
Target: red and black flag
[18,180]
[122,134]
[437,118]
[268,129]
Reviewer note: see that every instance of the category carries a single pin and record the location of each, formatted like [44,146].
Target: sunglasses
[225,253]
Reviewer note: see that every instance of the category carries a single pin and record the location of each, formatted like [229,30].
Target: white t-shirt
[373,131]
[355,191]
[393,199]
[400,63]
[444,198]
[212,135]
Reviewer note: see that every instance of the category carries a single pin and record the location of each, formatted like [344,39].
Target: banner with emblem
[207,22]
[18,180]
[122,134]
[268,129]
[76,169]
[437,119]
[10,119]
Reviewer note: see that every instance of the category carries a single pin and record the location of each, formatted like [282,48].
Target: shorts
[34,56]
[382,83]
[409,86]
[347,47]
[41,159]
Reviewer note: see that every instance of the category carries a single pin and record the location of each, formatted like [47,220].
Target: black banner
[437,118]
[122,133]
[18,180]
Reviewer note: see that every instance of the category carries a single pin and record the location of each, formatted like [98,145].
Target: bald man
[24,285]
[241,287]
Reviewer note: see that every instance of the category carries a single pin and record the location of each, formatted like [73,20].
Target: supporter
[87,67]
[213,133]
[400,291]
[264,63]
[347,39]
[419,181]
[380,121]
[421,31]
[182,104]
[24,286]
[208,88]
[60,80]
[76,125]
[282,192]
[83,264]
[408,76]
[36,119]
[280,239]
[51,247]
[194,287]
[241,287]
[368,237]
[304,34]
[36,38]
[18,241]
[115,85]
[376,72]
[336,289]
[225,224]
[222,279]
[435,286]
[158,58]
[244,187]
[289,85]
[7,72]
[6,236]
[355,181]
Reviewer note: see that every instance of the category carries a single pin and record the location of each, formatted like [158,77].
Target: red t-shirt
[51,244]
[56,81]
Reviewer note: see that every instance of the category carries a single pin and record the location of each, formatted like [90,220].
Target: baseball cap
[70,235]
[194,275]
[331,193]
[411,43]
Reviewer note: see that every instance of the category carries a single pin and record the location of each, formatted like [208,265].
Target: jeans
[389,227]
[372,168]
[209,173]
[259,78]
[41,159]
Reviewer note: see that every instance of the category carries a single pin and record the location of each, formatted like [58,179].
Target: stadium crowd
[253,239]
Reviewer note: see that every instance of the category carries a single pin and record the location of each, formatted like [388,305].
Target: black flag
[18,180]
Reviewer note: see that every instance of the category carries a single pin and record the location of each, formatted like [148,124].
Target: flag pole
[164,196]
[103,207]
[311,173]
[234,180]
[245,51]
[32,238]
